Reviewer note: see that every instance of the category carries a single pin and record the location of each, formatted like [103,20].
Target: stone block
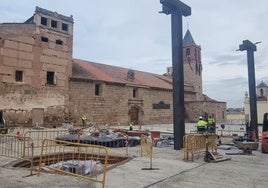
[10,52]
[52,45]
[11,44]
[25,47]
[8,79]
[27,40]
[25,55]
[25,64]
[7,70]
[9,61]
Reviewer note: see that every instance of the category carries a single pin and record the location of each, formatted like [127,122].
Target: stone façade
[37,71]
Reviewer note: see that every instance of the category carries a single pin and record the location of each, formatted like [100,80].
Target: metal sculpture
[177,9]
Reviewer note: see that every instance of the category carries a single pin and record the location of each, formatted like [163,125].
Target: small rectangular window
[43,21]
[97,89]
[64,27]
[19,76]
[59,42]
[135,93]
[54,23]
[51,78]
[44,39]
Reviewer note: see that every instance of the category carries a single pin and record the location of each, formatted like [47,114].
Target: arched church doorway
[135,112]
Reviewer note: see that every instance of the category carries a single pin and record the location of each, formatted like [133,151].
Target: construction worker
[211,124]
[84,120]
[201,124]
[131,126]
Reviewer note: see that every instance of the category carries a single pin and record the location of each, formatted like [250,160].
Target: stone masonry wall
[114,103]
[205,108]
[17,102]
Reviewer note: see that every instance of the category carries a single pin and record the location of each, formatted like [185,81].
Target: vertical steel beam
[177,9]
[250,47]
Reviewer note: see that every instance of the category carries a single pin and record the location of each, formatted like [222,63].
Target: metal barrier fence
[76,159]
[146,145]
[196,143]
[18,147]
[39,135]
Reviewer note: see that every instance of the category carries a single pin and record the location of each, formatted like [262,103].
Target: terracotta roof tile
[113,74]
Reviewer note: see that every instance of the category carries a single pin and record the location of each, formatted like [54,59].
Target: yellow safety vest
[84,118]
[201,123]
[211,120]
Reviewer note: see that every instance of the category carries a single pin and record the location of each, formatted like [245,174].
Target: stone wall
[115,101]
[17,102]
[195,109]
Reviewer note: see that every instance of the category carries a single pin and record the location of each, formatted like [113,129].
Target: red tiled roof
[107,73]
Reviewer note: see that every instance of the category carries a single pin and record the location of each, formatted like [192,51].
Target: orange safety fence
[196,143]
[81,160]
[18,147]
[39,135]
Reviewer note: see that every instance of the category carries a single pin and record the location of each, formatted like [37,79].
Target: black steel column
[250,47]
[177,9]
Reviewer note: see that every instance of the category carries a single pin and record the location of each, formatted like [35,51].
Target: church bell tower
[192,64]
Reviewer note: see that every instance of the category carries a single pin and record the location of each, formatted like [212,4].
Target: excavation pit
[112,161]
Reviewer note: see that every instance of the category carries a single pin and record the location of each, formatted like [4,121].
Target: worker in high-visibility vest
[211,123]
[201,124]
[131,126]
[84,120]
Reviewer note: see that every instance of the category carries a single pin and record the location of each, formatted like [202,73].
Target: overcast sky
[132,34]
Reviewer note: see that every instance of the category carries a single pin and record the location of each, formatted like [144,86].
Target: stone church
[41,82]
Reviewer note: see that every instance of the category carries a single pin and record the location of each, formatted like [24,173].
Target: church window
[18,76]
[51,78]
[97,89]
[188,52]
[43,20]
[135,93]
[54,23]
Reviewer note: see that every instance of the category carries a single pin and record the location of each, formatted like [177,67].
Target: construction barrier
[39,135]
[147,148]
[76,159]
[196,143]
[18,147]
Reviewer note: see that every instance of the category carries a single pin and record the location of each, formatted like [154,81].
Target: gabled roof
[86,70]
[188,39]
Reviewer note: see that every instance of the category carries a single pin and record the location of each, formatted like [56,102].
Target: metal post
[177,9]
[250,47]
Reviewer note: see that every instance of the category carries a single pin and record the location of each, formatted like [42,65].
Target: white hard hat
[200,117]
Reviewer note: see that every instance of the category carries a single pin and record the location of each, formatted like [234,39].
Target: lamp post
[251,48]
[177,9]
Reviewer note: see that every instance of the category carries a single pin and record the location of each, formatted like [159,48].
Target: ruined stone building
[41,82]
